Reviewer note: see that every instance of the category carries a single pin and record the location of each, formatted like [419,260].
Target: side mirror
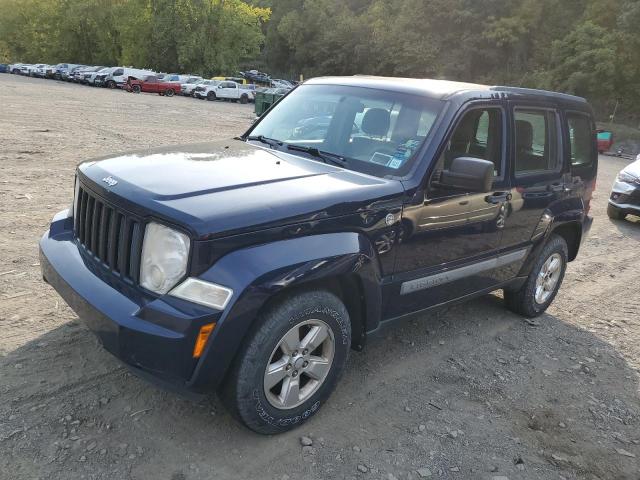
[470,174]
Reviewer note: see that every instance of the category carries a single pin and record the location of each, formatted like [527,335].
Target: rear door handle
[498,197]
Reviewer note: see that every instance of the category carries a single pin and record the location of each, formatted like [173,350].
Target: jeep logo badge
[110,181]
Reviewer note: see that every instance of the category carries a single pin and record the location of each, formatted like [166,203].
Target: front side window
[581,141]
[479,135]
[536,134]
[373,131]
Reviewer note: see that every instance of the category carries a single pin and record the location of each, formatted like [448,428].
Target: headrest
[524,135]
[376,122]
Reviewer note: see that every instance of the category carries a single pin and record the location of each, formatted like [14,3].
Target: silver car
[625,194]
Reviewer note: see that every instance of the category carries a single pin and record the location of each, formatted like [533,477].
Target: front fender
[256,274]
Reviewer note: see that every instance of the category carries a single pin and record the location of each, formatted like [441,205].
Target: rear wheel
[169,92]
[290,364]
[615,213]
[543,283]
[136,88]
[111,84]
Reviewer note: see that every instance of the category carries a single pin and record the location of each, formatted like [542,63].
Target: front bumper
[154,336]
[625,196]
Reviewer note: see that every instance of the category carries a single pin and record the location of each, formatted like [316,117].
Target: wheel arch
[571,232]
[342,263]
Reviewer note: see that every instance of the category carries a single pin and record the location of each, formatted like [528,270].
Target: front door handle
[498,197]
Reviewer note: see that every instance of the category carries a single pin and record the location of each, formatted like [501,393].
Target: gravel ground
[469,392]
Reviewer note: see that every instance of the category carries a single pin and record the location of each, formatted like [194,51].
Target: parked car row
[136,80]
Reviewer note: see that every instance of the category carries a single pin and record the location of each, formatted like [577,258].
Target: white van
[119,75]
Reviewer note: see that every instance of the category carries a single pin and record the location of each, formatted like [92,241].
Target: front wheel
[211,96]
[169,92]
[290,364]
[136,89]
[615,213]
[111,84]
[543,283]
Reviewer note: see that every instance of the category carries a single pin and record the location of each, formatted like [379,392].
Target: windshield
[374,131]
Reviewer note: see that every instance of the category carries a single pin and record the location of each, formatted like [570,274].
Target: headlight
[626,177]
[165,253]
[204,293]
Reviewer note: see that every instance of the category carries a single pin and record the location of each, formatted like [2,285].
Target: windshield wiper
[326,157]
[273,143]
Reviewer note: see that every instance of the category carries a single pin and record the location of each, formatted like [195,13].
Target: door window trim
[559,143]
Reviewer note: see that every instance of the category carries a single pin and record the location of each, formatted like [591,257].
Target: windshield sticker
[381,158]
[403,153]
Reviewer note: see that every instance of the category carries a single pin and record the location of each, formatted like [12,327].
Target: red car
[151,84]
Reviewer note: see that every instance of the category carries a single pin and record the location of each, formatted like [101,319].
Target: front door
[450,238]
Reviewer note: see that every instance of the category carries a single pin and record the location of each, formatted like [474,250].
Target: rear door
[538,176]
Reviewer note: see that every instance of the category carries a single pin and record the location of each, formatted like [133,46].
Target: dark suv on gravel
[252,266]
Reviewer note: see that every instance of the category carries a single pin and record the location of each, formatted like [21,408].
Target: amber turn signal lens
[201,341]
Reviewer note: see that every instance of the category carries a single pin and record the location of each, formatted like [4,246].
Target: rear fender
[258,273]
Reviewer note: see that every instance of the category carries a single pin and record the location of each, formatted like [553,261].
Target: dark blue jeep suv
[252,266]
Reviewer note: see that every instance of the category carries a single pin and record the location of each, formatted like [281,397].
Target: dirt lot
[471,392]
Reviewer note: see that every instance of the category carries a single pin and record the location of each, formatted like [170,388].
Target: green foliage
[199,36]
[586,47]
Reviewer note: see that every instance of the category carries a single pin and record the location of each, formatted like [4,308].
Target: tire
[136,88]
[528,301]
[169,92]
[211,96]
[245,389]
[244,99]
[111,84]
[615,213]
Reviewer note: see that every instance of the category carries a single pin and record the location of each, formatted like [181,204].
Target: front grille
[110,235]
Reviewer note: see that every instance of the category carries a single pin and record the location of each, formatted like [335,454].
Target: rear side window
[580,139]
[536,141]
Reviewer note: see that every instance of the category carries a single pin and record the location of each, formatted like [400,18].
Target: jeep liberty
[252,266]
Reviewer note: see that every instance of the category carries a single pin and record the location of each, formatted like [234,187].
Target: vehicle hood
[633,169]
[224,188]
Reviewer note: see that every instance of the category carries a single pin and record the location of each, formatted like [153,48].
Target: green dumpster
[266,98]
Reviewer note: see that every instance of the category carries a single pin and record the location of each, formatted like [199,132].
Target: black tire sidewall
[251,404]
[615,213]
[169,92]
[555,245]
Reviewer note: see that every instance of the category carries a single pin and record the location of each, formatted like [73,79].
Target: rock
[422,428]
[362,468]
[546,373]
[424,472]
[91,446]
[455,469]
[18,365]
[103,451]
[391,476]
[453,433]
[562,425]
[356,449]
[132,456]
[499,477]
[622,451]
[306,441]
[104,400]
[558,457]
[83,458]
[308,450]
[441,342]
[407,409]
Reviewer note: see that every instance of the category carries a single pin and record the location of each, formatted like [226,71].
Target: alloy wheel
[299,364]
[548,277]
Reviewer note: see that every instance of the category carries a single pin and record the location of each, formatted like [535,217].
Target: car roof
[445,89]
